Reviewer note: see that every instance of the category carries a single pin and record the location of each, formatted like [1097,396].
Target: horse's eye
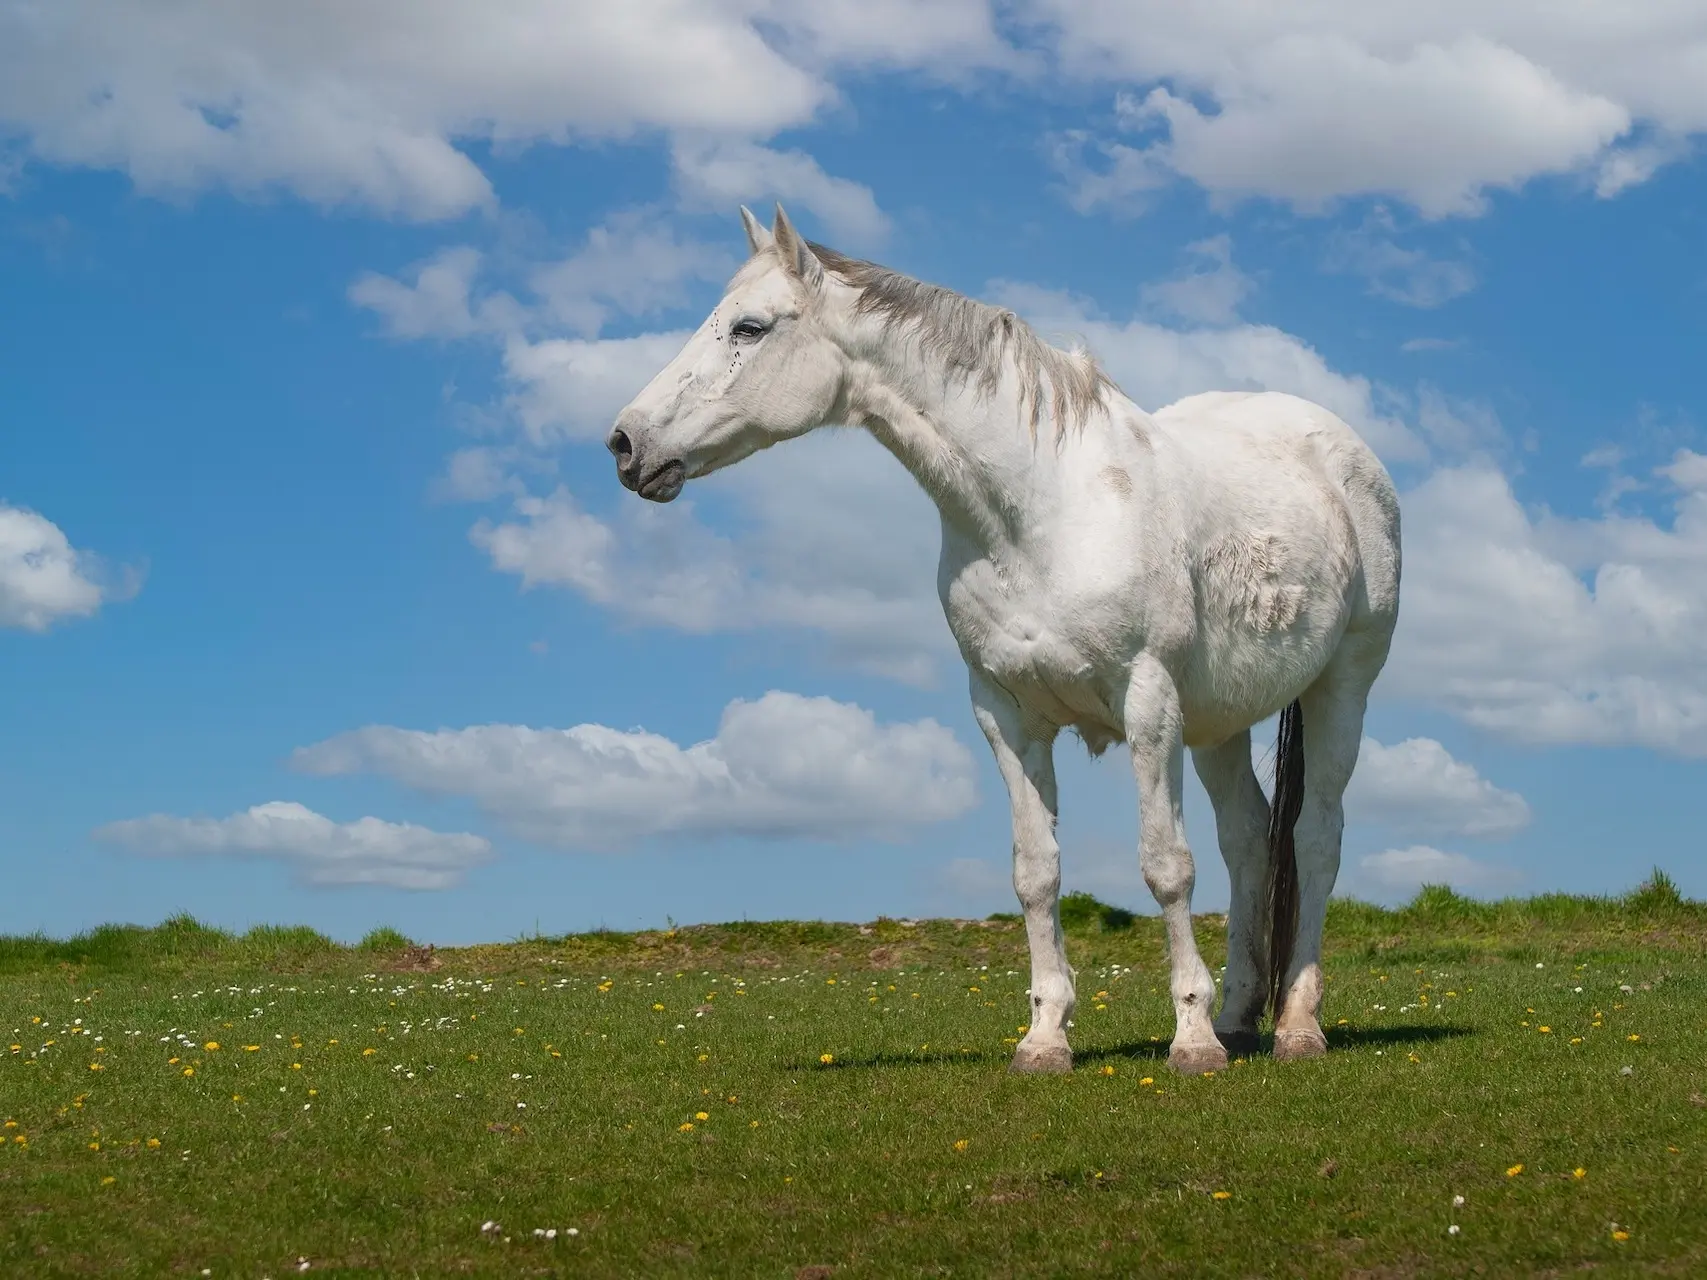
[748,330]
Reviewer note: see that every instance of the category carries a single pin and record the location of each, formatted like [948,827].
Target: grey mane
[972,337]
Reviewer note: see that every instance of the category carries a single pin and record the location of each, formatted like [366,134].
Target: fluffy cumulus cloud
[1552,629]
[1399,873]
[1156,363]
[373,104]
[1450,100]
[830,537]
[43,578]
[321,851]
[781,766]
[1416,788]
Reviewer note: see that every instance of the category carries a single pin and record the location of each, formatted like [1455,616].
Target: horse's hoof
[1292,1045]
[1239,1044]
[1195,1059]
[1042,1060]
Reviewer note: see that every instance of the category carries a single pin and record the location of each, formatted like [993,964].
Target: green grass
[379,1121]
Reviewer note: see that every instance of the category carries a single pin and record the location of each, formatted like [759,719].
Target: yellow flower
[94,1146]
[1107,1070]
[1545,1030]
[296,1066]
[251,1048]
[701,1115]
[211,1046]
[830,982]
[1222,1195]
[705,1057]
[686,1127]
[1514,1171]
[604,986]
[1579,1172]
[108,1180]
[1621,1236]
[368,1053]
[237,1097]
[962,1145]
[314,1093]
[1148,1080]
[171,1062]
[95,1066]
[657,1008]
[752,1124]
[733,1098]
[153,1144]
[826,1058]
[1632,1037]
[1576,1039]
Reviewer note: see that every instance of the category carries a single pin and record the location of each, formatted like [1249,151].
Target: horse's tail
[1282,854]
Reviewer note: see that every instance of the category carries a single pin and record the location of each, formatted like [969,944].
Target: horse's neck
[973,452]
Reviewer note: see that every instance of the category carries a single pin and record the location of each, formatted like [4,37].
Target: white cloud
[721,174]
[1156,365]
[1407,276]
[784,766]
[372,104]
[43,578]
[1557,630]
[1434,105]
[1399,873]
[1417,789]
[1211,293]
[635,264]
[436,304]
[321,851]
[572,388]
[833,537]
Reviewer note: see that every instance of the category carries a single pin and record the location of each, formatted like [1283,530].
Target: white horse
[1165,579]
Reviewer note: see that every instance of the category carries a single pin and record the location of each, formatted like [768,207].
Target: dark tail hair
[1282,854]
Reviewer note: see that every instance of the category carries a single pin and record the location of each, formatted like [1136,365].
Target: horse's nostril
[620,447]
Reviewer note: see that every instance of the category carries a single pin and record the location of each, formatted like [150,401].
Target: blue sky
[309,551]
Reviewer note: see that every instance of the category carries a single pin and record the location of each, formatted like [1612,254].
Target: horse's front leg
[1025,756]
[1154,726]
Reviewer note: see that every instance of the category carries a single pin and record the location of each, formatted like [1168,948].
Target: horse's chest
[1044,650]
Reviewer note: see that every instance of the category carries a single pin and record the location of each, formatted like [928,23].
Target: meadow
[1514,1088]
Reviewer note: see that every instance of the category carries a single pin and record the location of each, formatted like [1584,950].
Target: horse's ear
[758,239]
[797,256]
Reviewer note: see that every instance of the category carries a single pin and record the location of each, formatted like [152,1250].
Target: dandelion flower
[826,1058]
[1222,1195]
[1546,1031]
[211,1046]
[1107,1070]
[685,1127]
[1579,1172]
[1620,1235]
[657,1008]
[702,1115]
[368,1053]
[1514,1171]
[108,1181]
[962,1144]
[153,1144]
[251,1048]
[189,1071]
[1632,1038]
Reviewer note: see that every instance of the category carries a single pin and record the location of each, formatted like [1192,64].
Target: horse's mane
[971,339]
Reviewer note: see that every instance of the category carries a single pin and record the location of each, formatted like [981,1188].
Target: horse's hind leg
[1333,728]
[1241,826]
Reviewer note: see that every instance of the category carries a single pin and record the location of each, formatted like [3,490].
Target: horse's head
[762,368]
